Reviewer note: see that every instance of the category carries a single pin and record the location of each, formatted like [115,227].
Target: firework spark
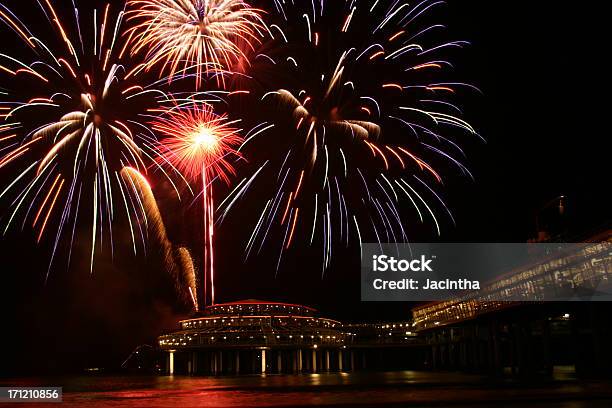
[200,144]
[208,36]
[362,119]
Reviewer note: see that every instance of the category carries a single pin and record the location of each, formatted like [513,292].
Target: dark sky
[538,111]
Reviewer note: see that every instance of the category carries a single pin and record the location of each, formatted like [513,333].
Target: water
[394,389]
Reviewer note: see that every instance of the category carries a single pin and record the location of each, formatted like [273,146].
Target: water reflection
[364,389]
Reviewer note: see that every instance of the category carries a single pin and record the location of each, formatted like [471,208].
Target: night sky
[537,113]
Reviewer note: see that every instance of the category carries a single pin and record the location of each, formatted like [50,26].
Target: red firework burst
[199,143]
[196,140]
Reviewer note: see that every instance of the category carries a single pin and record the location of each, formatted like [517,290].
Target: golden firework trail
[177,261]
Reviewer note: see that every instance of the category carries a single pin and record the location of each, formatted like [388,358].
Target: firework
[69,118]
[177,261]
[204,36]
[362,122]
[354,94]
[185,262]
[200,144]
